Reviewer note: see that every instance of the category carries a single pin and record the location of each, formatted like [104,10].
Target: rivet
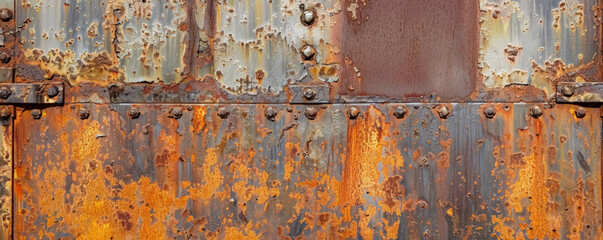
[311,113]
[4,57]
[5,112]
[309,94]
[399,112]
[52,91]
[580,112]
[353,112]
[567,91]
[5,92]
[6,14]
[489,112]
[444,112]
[134,113]
[176,113]
[270,113]
[308,52]
[536,112]
[36,113]
[84,113]
[223,112]
[308,17]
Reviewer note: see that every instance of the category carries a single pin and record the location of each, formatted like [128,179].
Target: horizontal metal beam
[573,92]
[32,93]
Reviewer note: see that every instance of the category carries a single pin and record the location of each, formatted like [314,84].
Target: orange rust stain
[444,157]
[246,233]
[212,177]
[365,144]
[391,231]
[199,124]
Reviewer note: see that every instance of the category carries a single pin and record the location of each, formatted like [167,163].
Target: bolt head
[36,113]
[5,92]
[84,113]
[311,113]
[223,113]
[133,113]
[52,91]
[4,57]
[400,112]
[5,112]
[444,112]
[353,112]
[270,113]
[580,112]
[6,14]
[489,112]
[176,113]
[567,91]
[309,94]
[308,17]
[536,112]
[308,53]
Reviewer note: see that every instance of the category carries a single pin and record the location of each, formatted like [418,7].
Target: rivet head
[36,113]
[176,113]
[309,94]
[133,113]
[353,112]
[223,113]
[399,112]
[489,112]
[6,14]
[580,112]
[5,113]
[5,92]
[567,91]
[52,91]
[84,113]
[536,112]
[308,17]
[444,112]
[308,52]
[311,113]
[4,57]
[270,113]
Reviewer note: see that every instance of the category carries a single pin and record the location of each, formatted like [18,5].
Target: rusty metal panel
[126,41]
[412,171]
[366,51]
[537,43]
[6,172]
[409,49]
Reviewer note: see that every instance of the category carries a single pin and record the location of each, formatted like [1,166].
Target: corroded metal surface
[330,119]
[140,171]
[366,51]
[31,93]
[6,172]
[580,92]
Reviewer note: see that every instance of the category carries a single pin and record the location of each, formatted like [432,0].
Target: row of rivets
[310,112]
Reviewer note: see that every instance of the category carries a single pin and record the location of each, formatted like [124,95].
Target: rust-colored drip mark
[363,156]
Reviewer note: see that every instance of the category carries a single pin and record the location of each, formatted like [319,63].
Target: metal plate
[580,92]
[200,176]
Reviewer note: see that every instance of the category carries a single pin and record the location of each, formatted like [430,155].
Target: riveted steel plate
[377,176]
